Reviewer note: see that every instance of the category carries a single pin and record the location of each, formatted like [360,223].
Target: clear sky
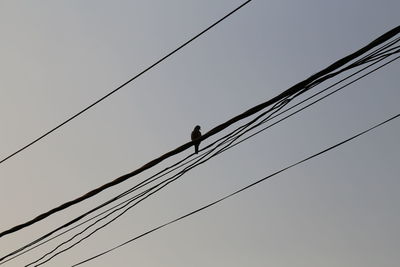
[57,57]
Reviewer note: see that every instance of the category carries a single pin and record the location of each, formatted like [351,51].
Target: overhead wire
[373,56]
[124,177]
[381,58]
[299,87]
[122,85]
[201,159]
[127,201]
[231,143]
[378,51]
[240,190]
[301,109]
[290,108]
[320,76]
[156,188]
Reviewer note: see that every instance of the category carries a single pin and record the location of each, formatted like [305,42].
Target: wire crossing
[239,190]
[124,84]
[299,88]
[224,143]
[228,142]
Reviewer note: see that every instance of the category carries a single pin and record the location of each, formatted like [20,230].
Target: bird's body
[196,134]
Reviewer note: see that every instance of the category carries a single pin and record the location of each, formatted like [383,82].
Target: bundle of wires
[109,211]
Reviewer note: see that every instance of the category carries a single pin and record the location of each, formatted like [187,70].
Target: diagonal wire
[240,190]
[138,186]
[146,166]
[367,60]
[230,145]
[122,85]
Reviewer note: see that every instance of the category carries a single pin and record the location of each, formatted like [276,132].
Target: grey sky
[59,56]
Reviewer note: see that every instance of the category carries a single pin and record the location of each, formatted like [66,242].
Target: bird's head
[197,128]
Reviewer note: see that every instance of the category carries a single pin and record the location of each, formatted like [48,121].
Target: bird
[196,134]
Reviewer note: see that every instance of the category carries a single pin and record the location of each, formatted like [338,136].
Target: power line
[115,90]
[142,196]
[369,58]
[123,85]
[307,106]
[240,190]
[230,144]
[297,89]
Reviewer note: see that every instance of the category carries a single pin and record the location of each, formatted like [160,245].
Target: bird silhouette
[196,134]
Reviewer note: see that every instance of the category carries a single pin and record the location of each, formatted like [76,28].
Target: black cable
[200,160]
[272,116]
[156,188]
[146,166]
[123,85]
[240,190]
[149,192]
[378,50]
[369,60]
[226,147]
[301,109]
[265,120]
[381,55]
[320,77]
